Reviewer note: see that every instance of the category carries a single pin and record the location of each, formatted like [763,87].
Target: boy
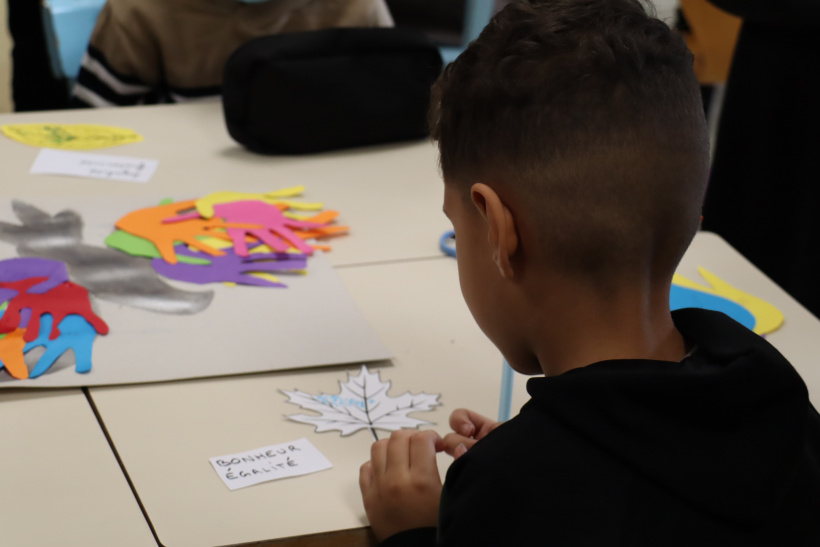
[575,156]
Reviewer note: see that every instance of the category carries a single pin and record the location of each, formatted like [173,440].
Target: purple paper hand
[230,267]
[17,269]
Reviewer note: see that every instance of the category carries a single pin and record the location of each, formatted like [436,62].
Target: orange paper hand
[11,354]
[148,224]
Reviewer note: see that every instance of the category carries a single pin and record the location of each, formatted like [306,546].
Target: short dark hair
[588,114]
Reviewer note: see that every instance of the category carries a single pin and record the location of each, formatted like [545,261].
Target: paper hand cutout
[107,274]
[17,269]
[275,226]
[148,224]
[362,403]
[67,298]
[231,268]
[76,334]
[11,354]
[137,246]
[205,206]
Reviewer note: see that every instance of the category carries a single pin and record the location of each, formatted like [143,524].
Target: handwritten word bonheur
[261,456]
[269,463]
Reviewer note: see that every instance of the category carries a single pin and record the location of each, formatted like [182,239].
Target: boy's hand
[400,484]
[468,428]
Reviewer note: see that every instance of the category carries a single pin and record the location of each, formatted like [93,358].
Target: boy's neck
[581,326]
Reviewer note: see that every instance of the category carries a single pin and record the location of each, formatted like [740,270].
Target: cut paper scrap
[70,137]
[362,403]
[767,318]
[148,224]
[231,268]
[683,297]
[65,299]
[76,334]
[205,205]
[11,354]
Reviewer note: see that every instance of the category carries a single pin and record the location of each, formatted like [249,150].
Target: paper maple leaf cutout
[362,403]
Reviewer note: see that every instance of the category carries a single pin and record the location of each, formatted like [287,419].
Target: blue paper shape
[683,297]
[76,334]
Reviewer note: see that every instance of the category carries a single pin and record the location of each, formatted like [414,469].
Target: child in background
[575,154]
[150,51]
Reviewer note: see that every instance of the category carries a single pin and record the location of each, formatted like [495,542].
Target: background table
[391,264]
[390,195]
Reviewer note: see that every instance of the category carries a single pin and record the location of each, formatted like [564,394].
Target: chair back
[68,25]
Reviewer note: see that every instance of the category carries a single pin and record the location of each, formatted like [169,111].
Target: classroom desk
[61,484]
[393,186]
[438,349]
[391,196]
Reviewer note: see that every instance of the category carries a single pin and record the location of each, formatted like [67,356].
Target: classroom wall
[5,61]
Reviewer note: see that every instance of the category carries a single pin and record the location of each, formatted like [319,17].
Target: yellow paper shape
[767,317]
[205,206]
[70,137]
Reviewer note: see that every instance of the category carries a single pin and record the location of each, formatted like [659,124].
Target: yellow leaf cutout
[767,317]
[70,137]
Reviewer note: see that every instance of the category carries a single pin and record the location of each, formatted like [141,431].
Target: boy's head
[585,117]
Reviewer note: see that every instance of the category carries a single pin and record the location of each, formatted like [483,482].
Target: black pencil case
[330,89]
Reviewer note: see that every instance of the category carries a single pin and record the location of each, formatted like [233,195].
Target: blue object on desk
[447,243]
[505,401]
[68,25]
[683,297]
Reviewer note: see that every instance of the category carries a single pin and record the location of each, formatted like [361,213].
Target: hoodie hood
[722,430]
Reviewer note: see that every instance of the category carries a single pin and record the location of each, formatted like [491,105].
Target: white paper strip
[269,463]
[97,166]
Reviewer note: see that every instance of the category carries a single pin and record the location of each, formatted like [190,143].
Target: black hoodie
[720,449]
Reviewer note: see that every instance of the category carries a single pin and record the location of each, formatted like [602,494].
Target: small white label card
[96,166]
[269,463]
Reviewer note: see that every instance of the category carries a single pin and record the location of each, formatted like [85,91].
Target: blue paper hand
[76,334]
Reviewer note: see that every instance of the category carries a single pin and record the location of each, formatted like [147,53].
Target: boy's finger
[461,423]
[398,450]
[452,441]
[423,452]
[378,457]
[365,477]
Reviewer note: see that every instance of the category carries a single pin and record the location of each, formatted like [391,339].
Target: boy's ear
[501,233]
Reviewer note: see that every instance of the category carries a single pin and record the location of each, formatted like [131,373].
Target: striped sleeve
[98,85]
[122,63]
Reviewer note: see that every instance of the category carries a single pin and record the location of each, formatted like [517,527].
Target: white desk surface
[165,445]
[390,195]
[61,484]
[391,264]
[417,309]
